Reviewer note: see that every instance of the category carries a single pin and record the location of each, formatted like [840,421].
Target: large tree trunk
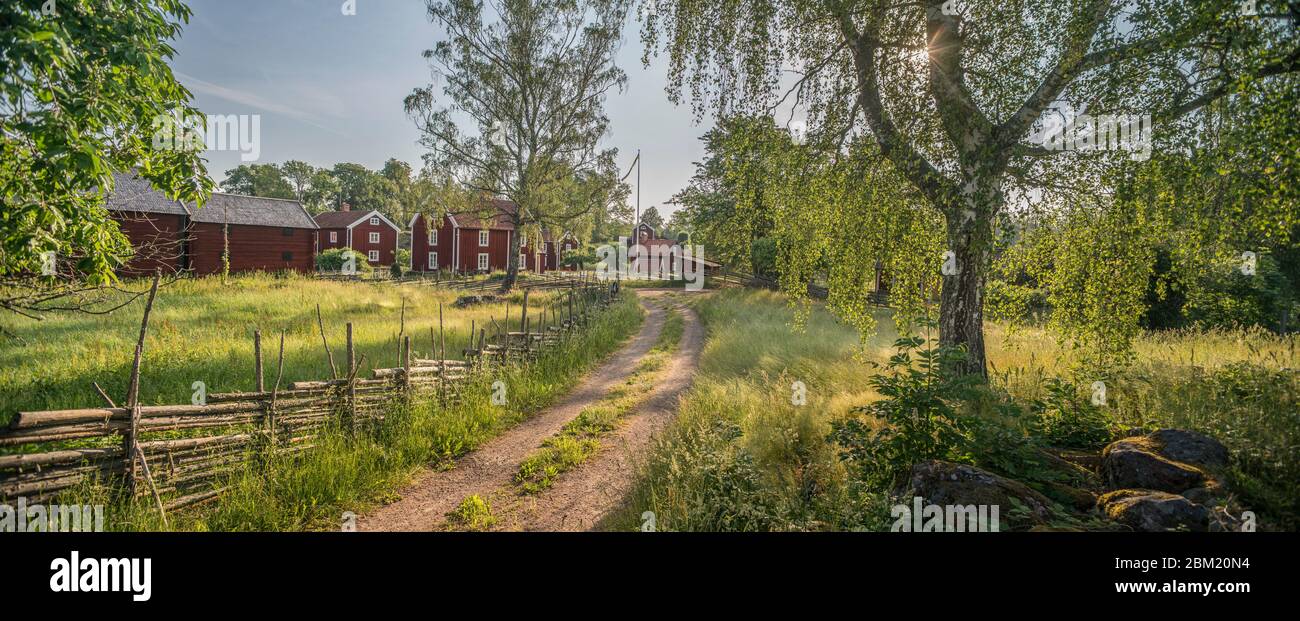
[970,239]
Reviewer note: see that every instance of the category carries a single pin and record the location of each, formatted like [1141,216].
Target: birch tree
[516,109]
[965,100]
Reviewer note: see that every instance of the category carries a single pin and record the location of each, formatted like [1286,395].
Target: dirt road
[581,496]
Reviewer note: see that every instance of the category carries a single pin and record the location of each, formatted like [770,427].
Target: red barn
[265,234]
[369,233]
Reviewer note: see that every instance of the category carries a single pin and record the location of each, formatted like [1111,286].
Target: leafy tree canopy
[85,87]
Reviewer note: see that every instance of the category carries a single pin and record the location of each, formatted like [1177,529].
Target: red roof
[495,213]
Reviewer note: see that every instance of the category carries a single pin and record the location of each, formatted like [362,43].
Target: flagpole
[638,186]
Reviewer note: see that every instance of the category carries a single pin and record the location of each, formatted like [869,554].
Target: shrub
[918,418]
[332,260]
[1068,419]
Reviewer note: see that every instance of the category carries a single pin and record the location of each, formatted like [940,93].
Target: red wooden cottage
[474,242]
[266,234]
[369,233]
[548,255]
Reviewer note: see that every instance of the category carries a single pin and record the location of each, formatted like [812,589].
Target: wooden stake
[257,361]
[334,372]
[131,441]
[352,385]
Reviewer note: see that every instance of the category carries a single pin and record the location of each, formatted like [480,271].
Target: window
[483,238]
[286,256]
[523,240]
[334,237]
[373,255]
[374,238]
[433,237]
[374,222]
[482,261]
[286,231]
[433,261]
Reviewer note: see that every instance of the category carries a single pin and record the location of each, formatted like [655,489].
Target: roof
[348,219]
[133,193]
[496,213]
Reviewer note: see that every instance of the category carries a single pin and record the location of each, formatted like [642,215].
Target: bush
[1229,298]
[1067,419]
[916,420]
[332,260]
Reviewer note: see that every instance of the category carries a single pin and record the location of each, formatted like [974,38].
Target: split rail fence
[180,455]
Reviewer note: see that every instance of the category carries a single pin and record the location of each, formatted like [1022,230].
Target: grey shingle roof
[135,194]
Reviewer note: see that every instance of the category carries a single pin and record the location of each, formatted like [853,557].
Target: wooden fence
[140,447]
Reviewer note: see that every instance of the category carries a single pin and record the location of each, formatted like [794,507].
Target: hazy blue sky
[329,86]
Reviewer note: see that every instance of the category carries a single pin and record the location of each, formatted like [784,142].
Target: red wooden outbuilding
[265,234]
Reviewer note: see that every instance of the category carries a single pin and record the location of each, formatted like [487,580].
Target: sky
[329,87]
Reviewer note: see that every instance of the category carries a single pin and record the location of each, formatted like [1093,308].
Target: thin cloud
[249,99]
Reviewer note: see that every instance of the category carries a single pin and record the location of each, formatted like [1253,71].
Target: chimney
[346,207]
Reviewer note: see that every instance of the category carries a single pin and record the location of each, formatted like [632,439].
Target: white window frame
[373,255]
[374,237]
[523,240]
[483,263]
[483,237]
[374,222]
[433,260]
[433,237]
[334,237]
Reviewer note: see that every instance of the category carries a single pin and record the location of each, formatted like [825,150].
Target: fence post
[131,445]
[406,361]
[352,383]
[257,361]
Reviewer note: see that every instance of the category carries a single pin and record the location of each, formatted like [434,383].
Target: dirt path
[425,503]
[586,494]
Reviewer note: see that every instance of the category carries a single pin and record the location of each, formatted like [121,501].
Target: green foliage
[361,188]
[1228,298]
[1068,419]
[917,419]
[334,259]
[651,217]
[266,180]
[83,93]
[763,256]
[473,513]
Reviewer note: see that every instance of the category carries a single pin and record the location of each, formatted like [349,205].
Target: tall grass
[202,330]
[741,456]
[343,473]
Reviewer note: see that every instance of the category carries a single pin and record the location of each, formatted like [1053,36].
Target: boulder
[1078,499]
[1131,463]
[945,483]
[1189,447]
[1212,493]
[1153,511]
[465,301]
